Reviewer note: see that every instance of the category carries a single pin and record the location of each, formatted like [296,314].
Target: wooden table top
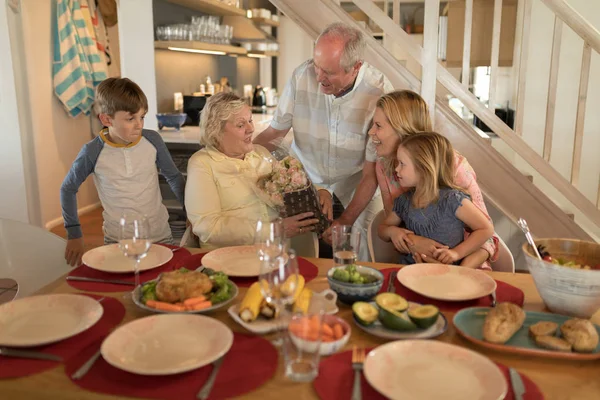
[557,379]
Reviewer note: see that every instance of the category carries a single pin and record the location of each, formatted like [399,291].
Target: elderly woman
[397,115]
[221,197]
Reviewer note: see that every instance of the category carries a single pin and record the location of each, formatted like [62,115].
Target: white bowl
[327,348]
[565,290]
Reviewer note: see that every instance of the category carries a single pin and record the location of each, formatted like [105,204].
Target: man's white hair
[354,43]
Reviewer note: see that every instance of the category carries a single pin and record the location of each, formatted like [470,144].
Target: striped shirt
[330,133]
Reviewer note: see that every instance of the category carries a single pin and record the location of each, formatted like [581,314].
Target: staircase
[507,188]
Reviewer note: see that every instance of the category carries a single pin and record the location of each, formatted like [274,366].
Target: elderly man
[329,101]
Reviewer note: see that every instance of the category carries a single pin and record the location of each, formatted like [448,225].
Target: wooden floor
[91,224]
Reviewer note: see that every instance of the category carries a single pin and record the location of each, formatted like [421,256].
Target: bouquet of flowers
[289,189]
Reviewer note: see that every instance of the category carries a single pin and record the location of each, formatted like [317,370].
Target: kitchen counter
[191,134]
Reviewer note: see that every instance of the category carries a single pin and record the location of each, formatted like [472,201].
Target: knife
[205,390]
[112,281]
[516,383]
[391,279]
[29,354]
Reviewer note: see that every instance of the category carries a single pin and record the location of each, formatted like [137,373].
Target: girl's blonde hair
[215,114]
[433,158]
[407,114]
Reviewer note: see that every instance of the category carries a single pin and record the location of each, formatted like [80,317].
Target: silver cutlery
[516,383]
[391,279]
[205,390]
[86,366]
[358,359]
[97,280]
[36,355]
[493,296]
[525,228]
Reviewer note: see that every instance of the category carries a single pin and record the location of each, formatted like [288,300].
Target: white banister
[580,121]
[495,53]
[576,22]
[396,12]
[523,67]
[552,88]
[466,59]
[430,51]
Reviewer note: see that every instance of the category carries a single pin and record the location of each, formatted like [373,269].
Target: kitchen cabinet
[481,37]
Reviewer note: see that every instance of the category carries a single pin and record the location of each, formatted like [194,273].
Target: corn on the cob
[299,286]
[250,306]
[303,301]
[267,310]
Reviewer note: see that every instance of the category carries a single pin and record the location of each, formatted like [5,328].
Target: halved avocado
[424,316]
[365,313]
[396,321]
[391,301]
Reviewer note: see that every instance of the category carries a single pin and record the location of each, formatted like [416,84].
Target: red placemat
[84,270]
[113,313]
[336,378]
[307,269]
[250,363]
[504,292]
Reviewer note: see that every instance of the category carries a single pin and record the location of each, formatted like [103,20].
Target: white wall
[295,47]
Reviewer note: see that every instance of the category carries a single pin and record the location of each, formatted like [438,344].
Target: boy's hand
[399,237]
[446,256]
[74,251]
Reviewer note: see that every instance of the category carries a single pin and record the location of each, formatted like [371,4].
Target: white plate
[167,344]
[240,261]
[110,258]
[39,320]
[262,325]
[429,369]
[446,282]
[377,329]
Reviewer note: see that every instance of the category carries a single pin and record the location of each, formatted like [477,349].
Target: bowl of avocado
[354,283]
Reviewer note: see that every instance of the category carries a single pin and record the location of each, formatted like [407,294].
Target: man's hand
[326,201]
[74,251]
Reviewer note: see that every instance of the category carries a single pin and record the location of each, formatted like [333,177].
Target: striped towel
[77,67]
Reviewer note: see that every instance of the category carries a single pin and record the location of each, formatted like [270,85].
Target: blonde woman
[398,115]
[434,207]
[220,195]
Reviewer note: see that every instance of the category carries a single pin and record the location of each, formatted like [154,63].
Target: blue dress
[437,221]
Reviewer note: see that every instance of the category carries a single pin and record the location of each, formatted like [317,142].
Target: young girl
[434,207]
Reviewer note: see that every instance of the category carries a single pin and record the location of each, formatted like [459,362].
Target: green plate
[469,323]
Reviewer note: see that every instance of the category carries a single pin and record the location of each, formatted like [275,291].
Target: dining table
[557,379]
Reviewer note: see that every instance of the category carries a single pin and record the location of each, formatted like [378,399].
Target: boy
[124,160]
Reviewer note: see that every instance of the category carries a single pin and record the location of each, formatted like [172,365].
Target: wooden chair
[505,261]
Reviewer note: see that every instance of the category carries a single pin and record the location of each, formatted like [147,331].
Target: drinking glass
[345,241]
[134,239]
[269,238]
[302,345]
[278,283]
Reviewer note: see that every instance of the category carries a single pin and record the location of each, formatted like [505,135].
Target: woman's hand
[424,246]
[299,224]
[74,251]
[326,201]
[399,237]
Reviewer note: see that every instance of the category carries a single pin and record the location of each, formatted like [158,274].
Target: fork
[358,358]
[493,296]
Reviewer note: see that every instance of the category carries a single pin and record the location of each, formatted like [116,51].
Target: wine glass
[269,238]
[278,283]
[134,239]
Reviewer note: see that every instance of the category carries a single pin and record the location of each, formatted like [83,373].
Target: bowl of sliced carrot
[305,332]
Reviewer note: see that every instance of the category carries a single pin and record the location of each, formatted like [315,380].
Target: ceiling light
[214,52]
[254,55]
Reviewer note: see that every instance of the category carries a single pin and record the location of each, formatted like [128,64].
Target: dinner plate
[136,296]
[239,261]
[327,298]
[166,344]
[377,329]
[44,319]
[429,369]
[469,324]
[446,282]
[110,258]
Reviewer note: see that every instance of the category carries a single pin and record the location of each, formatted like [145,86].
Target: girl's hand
[399,237]
[424,246]
[446,256]
[326,201]
[299,224]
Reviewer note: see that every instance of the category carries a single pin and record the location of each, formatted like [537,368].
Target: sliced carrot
[327,338]
[194,300]
[327,330]
[314,323]
[338,331]
[199,306]
[161,305]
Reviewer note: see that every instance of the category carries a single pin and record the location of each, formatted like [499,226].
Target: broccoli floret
[222,294]
[219,279]
[149,291]
[208,271]
[183,270]
[341,275]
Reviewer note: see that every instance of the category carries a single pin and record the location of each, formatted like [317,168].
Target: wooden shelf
[265,21]
[213,7]
[192,45]
[264,53]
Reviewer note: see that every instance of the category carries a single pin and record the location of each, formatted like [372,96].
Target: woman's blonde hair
[215,114]
[433,158]
[407,114]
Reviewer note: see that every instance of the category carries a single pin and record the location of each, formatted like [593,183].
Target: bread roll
[581,333]
[502,322]
[543,328]
[553,343]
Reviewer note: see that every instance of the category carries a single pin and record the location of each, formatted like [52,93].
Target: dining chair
[306,245]
[30,255]
[505,261]
[379,250]
[189,239]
